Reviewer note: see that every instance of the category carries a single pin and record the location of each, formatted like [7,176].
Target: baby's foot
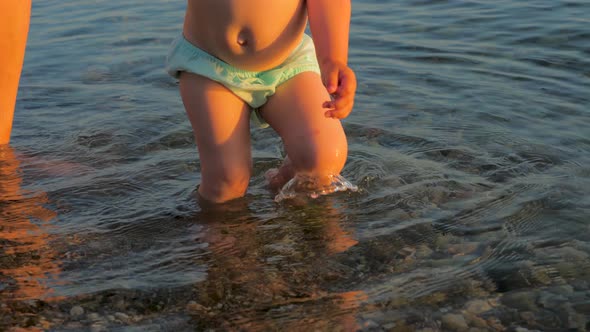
[275,179]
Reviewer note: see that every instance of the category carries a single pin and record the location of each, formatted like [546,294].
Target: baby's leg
[14,27]
[315,145]
[220,122]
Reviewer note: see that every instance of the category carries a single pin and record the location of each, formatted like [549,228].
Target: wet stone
[76,311]
[573,254]
[407,254]
[97,327]
[121,305]
[196,309]
[495,324]
[74,326]
[123,317]
[522,329]
[57,321]
[93,316]
[520,300]
[462,248]
[528,317]
[370,325]
[474,320]
[477,306]
[423,251]
[550,300]
[444,240]
[583,307]
[454,322]
[576,322]
[563,289]
[568,269]
[579,285]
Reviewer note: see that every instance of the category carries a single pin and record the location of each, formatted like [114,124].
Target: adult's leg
[315,145]
[14,27]
[220,122]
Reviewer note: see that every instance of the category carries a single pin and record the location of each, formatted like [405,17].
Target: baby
[242,58]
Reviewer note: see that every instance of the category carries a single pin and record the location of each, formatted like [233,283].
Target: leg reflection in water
[276,274]
[27,261]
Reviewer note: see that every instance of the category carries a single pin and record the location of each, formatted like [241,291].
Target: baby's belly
[248,34]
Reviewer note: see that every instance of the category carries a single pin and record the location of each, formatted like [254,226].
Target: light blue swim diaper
[253,87]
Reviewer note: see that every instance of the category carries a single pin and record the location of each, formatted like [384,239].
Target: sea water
[469,145]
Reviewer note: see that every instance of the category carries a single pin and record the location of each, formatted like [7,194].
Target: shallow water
[469,144]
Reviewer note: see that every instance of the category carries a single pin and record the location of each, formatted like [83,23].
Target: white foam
[307,186]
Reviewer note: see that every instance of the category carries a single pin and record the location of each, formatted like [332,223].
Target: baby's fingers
[330,80]
[340,107]
[343,92]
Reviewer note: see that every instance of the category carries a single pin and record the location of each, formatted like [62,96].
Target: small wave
[308,186]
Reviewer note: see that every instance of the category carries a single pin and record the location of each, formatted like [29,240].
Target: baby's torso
[248,34]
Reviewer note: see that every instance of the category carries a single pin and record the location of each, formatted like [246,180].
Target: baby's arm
[329,21]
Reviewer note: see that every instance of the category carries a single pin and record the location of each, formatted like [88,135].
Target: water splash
[308,186]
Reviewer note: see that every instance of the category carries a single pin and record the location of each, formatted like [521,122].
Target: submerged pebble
[454,322]
[98,327]
[478,306]
[76,311]
[123,317]
[93,316]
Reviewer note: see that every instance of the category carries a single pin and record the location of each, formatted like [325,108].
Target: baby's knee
[322,154]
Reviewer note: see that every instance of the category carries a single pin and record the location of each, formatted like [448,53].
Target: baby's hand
[340,81]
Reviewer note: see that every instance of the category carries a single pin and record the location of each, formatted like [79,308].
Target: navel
[242,41]
[243,37]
